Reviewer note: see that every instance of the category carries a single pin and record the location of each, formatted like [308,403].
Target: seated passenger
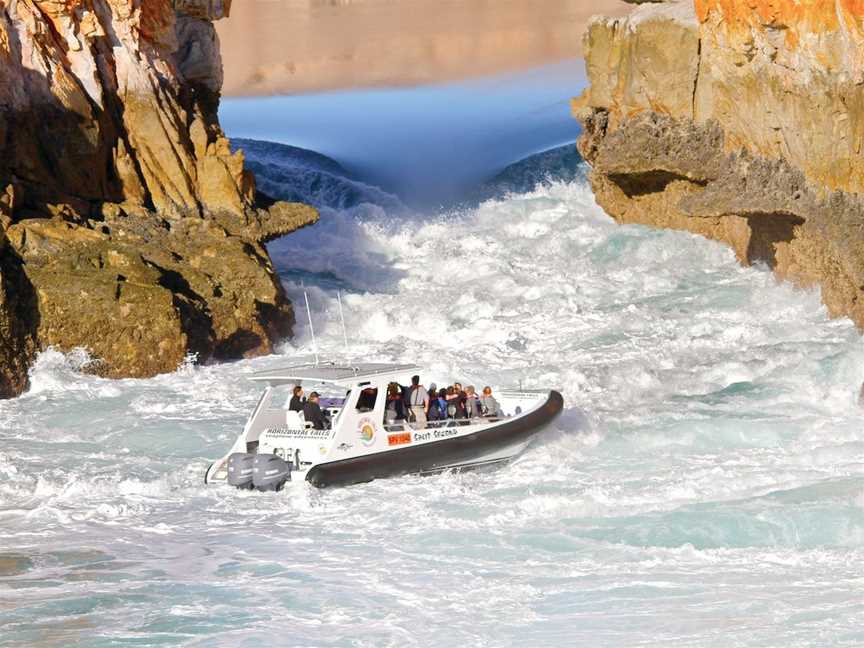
[452,399]
[366,400]
[441,402]
[395,410]
[489,405]
[435,412]
[461,411]
[472,402]
[432,392]
[297,400]
[313,414]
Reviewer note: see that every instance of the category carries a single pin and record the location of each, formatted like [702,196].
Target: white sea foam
[704,486]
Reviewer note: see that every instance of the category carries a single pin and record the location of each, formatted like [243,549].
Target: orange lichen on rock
[750,132]
[795,17]
[127,224]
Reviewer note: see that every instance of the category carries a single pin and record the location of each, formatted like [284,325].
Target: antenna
[311,328]
[342,317]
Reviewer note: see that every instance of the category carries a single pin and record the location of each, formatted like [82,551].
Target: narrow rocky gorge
[742,122]
[127,225]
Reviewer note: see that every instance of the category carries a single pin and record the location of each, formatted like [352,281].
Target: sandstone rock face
[128,225]
[740,121]
[17,323]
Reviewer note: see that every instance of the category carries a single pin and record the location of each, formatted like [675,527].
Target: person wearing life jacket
[418,403]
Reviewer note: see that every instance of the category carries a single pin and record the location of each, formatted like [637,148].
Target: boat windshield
[280,397]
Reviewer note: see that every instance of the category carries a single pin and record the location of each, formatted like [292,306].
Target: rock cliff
[127,225]
[740,121]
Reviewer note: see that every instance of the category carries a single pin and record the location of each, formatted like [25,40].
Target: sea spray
[703,486]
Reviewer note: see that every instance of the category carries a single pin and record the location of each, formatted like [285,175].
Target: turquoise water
[704,487]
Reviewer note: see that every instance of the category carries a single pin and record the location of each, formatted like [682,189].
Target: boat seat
[294,420]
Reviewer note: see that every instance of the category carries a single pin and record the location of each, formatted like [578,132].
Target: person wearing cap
[418,402]
[312,412]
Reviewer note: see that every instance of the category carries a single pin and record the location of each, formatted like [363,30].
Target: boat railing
[404,426]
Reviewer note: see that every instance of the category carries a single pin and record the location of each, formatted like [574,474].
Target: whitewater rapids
[703,488]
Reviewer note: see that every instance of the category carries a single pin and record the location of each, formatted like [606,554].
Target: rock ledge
[127,225]
[742,122]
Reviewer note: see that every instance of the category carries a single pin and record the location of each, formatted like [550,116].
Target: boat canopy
[344,375]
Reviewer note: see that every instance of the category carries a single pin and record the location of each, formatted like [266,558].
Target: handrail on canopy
[337,374]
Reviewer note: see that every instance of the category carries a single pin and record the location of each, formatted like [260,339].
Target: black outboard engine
[240,470]
[269,472]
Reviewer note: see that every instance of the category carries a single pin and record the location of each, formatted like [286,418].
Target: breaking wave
[299,175]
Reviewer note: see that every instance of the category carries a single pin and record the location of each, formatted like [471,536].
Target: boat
[278,445]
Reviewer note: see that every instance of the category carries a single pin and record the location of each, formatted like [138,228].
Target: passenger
[441,402]
[432,412]
[418,403]
[437,406]
[472,402]
[366,399]
[297,400]
[488,405]
[452,399]
[313,414]
[461,411]
[395,410]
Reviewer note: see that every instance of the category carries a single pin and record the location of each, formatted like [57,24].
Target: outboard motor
[269,472]
[240,470]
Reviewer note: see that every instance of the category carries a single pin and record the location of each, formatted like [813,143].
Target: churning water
[703,488]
